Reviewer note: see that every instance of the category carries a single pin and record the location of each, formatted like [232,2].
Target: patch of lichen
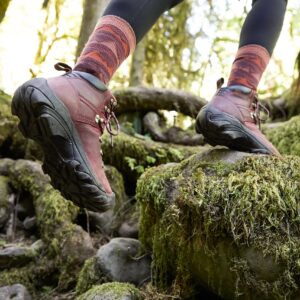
[112,291]
[254,202]
[286,136]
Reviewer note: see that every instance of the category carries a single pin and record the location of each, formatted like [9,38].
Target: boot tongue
[240,88]
[93,80]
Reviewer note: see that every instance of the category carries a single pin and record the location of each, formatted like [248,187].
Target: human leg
[67,114]
[232,117]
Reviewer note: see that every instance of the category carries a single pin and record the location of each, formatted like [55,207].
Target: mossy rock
[231,225]
[112,291]
[286,136]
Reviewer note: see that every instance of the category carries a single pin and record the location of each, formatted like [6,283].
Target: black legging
[262,25]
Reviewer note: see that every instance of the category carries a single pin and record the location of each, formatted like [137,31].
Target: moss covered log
[144,99]
[131,155]
[286,136]
[230,224]
[67,246]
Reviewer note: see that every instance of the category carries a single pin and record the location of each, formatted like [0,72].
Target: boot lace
[109,118]
[256,113]
[109,115]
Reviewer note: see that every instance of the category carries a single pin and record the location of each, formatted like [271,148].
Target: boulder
[16,256]
[112,291]
[5,205]
[225,220]
[120,260]
[15,292]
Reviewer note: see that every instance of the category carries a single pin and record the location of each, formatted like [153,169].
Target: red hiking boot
[66,115]
[232,119]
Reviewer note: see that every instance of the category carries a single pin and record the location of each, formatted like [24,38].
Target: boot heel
[219,128]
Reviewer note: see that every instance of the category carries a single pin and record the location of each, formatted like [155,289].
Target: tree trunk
[152,99]
[93,9]
[3,7]
[137,65]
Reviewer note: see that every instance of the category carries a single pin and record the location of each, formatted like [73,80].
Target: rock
[14,292]
[78,246]
[29,223]
[130,225]
[225,220]
[24,206]
[121,260]
[101,222]
[5,206]
[129,230]
[15,256]
[112,291]
[107,222]
[285,136]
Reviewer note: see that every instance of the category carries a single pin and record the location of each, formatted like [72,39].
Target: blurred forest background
[189,48]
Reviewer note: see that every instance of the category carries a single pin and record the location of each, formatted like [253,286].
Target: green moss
[132,156]
[32,275]
[192,206]
[87,277]
[286,136]
[111,291]
[55,217]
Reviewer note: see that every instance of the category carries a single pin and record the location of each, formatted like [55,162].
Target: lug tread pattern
[222,129]
[52,128]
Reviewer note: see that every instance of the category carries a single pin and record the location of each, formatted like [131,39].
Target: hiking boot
[66,115]
[232,119]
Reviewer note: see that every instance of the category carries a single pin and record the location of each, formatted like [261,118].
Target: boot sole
[46,120]
[222,129]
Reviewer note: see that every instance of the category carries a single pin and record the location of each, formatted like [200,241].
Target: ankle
[241,88]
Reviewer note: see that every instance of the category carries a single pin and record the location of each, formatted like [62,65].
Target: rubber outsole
[222,129]
[46,120]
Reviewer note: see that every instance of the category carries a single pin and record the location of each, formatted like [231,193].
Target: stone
[29,223]
[14,292]
[107,222]
[129,230]
[122,260]
[5,205]
[15,256]
[226,220]
[112,291]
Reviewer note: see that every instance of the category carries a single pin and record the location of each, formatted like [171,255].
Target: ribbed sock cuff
[108,46]
[249,66]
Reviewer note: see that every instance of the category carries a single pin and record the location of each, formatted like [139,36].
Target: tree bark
[152,99]
[174,135]
[137,65]
[93,9]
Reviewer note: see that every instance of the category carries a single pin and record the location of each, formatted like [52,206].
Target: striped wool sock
[109,45]
[249,66]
